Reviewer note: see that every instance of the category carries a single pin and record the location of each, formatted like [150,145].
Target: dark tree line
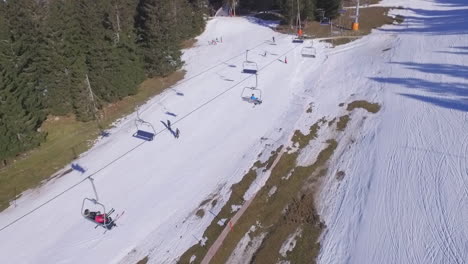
[308,8]
[54,53]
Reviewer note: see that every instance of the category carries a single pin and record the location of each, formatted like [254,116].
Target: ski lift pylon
[141,133]
[299,37]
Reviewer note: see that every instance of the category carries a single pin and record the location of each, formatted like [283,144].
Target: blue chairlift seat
[145,135]
[249,67]
[325,21]
[298,40]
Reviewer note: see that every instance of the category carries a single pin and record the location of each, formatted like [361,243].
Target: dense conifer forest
[62,57]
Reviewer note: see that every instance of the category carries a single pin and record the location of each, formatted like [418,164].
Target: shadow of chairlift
[145,130]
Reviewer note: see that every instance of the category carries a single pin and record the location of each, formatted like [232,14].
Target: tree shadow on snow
[458,51]
[448,95]
[452,70]
[264,23]
[434,22]
[455,104]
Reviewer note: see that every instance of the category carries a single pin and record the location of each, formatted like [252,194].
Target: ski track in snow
[404,198]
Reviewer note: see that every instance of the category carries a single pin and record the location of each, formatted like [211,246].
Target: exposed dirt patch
[236,198]
[340,175]
[370,107]
[143,261]
[189,43]
[280,214]
[200,213]
[342,123]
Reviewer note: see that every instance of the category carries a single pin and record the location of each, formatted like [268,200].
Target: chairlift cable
[135,147]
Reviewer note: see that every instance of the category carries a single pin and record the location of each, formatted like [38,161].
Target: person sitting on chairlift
[98,217]
[253,98]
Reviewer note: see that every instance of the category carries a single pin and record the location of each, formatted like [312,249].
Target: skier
[177,133]
[169,124]
[273,38]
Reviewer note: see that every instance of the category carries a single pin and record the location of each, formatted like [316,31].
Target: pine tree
[331,7]
[21,108]
[159,45]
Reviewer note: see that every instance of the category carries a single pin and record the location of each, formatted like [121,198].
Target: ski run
[404,198]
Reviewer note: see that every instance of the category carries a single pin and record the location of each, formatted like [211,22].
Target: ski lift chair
[247,94]
[92,205]
[249,67]
[308,52]
[144,134]
[298,39]
[325,21]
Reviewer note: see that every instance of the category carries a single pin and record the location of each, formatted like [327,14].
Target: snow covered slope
[160,184]
[404,198]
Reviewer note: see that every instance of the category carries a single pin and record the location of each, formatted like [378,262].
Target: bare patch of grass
[189,43]
[143,261]
[236,198]
[290,207]
[370,107]
[342,123]
[200,213]
[340,175]
[399,19]
[303,140]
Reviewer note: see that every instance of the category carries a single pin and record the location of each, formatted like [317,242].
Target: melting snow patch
[203,241]
[290,243]
[287,176]
[222,222]
[246,247]
[272,191]
[235,208]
